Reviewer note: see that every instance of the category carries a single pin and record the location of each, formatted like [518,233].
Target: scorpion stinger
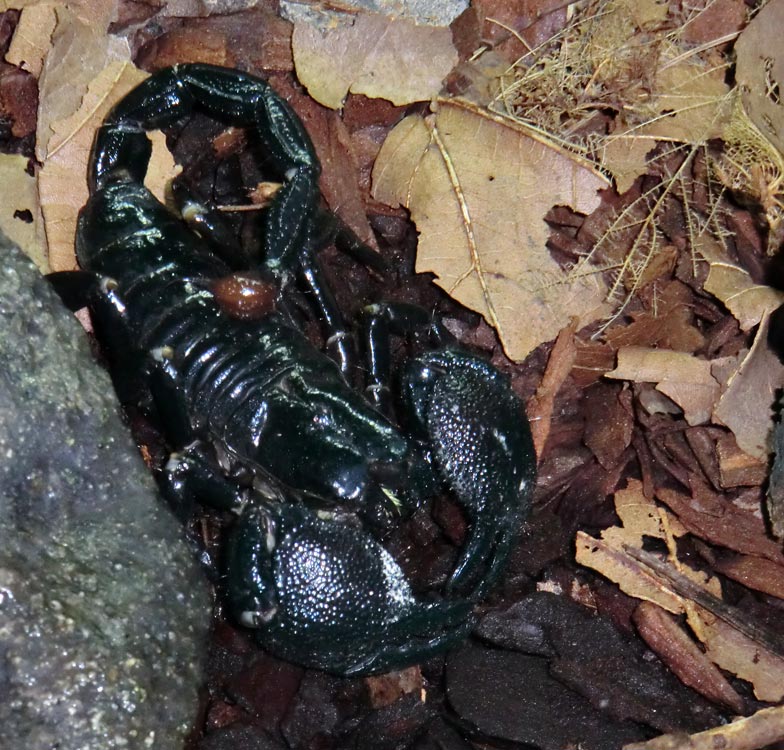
[122,148]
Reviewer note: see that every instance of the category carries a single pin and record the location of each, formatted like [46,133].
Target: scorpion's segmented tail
[122,149]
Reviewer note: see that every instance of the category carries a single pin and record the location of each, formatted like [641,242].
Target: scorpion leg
[340,342]
[478,433]
[330,228]
[78,289]
[380,322]
[190,476]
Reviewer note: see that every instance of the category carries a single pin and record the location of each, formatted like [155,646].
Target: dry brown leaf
[20,194]
[98,12]
[32,38]
[478,189]
[339,181]
[760,71]
[748,302]
[729,525]
[624,157]
[559,365]
[630,575]
[694,104]
[739,654]
[746,406]
[80,50]
[641,517]
[376,55]
[753,572]
[682,377]
[62,179]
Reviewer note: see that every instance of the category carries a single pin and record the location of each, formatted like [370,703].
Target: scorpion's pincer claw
[482,445]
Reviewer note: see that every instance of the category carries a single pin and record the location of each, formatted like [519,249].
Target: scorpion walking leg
[190,476]
[78,289]
[380,322]
[340,343]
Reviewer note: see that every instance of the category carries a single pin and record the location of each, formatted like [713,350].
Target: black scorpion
[266,424]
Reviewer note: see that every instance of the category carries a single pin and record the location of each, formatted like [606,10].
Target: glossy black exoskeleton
[266,424]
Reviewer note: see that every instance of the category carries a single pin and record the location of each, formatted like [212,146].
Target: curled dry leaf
[478,189]
[640,517]
[613,556]
[748,302]
[685,379]
[559,365]
[746,406]
[632,577]
[378,56]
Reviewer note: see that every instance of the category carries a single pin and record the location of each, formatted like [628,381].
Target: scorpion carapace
[265,424]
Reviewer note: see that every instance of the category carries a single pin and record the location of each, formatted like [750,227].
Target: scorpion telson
[265,424]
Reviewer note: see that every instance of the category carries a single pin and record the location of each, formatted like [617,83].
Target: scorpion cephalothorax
[265,424]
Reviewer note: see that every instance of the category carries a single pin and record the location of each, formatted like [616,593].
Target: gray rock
[423,12]
[103,612]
